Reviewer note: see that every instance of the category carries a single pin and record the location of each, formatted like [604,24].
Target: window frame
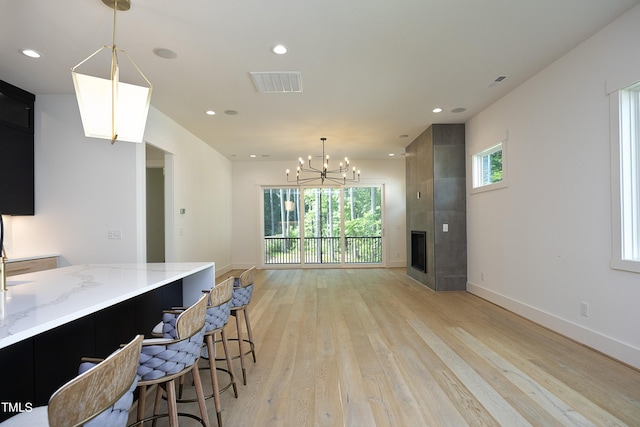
[625,139]
[477,171]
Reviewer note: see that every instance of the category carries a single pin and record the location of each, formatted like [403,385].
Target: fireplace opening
[419,250]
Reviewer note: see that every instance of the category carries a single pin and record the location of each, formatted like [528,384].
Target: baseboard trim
[611,347]
[397,263]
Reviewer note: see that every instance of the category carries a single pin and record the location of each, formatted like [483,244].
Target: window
[625,178]
[489,168]
[322,225]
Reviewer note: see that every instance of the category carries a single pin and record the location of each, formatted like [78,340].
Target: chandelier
[308,174]
[109,108]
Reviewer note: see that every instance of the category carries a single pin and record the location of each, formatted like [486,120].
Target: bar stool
[163,360]
[218,311]
[242,292]
[100,396]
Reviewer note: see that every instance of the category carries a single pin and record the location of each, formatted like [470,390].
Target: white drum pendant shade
[95,97]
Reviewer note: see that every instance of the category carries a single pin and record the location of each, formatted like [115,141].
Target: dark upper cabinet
[16,151]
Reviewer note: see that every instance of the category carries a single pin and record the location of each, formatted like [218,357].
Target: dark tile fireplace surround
[436,200]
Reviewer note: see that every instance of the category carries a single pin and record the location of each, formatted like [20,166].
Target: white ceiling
[372,70]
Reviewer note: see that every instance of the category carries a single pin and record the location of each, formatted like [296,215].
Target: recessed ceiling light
[391,154]
[31,53]
[437,110]
[458,110]
[253,156]
[165,53]
[231,112]
[403,136]
[210,113]
[279,49]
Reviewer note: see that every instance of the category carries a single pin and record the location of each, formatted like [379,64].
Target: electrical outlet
[482,276]
[584,309]
[114,234]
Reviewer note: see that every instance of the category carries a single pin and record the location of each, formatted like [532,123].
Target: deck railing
[323,250]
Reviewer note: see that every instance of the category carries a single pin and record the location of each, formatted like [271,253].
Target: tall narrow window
[626,178]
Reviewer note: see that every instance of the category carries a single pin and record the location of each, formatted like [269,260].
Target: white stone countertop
[40,301]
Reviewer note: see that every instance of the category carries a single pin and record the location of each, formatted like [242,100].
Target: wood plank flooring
[371,347]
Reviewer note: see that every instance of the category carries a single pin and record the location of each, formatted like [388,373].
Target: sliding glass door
[322,225]
[363,225]
[281,225]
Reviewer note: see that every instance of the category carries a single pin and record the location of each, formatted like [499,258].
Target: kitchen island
[50,319]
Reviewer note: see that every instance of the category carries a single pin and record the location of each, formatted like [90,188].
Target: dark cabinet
[31,370]
[16,151]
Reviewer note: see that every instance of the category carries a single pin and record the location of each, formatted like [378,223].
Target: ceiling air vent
[497,81]
[277,82]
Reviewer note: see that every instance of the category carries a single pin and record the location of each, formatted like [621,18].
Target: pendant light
[109,108]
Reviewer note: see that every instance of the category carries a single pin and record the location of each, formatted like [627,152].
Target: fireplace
[419,250]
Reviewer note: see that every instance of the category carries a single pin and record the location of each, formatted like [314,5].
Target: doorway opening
[155,205]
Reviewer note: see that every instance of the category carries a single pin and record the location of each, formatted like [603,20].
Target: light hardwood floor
[371,347]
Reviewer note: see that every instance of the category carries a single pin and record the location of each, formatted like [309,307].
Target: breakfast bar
[50,319]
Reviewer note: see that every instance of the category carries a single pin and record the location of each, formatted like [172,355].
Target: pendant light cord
[114,77]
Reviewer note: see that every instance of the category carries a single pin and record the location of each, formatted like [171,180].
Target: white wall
[202,186]
[248,177]
[543,244]
[85,187]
